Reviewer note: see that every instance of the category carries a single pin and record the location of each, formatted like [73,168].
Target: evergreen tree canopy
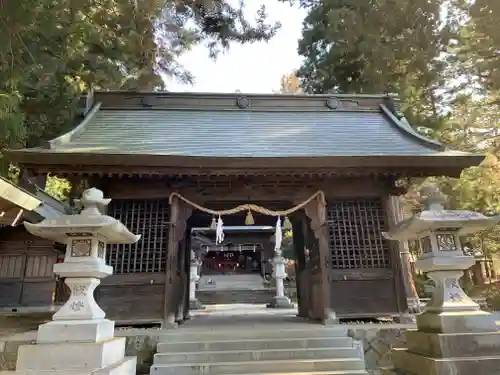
[52,50]
[376,46]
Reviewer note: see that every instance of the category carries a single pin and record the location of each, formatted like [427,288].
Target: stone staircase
[258,350]
[226,297]
[231,282]
[233,288]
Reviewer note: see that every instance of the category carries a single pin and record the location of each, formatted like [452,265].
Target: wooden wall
[134,298]
[136,290]
[363,271]
[26,269]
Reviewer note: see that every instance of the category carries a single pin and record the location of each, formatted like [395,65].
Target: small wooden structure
[221,150]
[26,261]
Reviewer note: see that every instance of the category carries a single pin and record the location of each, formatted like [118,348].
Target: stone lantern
[280,301]
[194,303]
[452,331]
[79,333]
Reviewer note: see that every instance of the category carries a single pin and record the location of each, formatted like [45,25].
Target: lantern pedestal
[80,340]
[454,337]
[449,306]
[280,301]
[194,303]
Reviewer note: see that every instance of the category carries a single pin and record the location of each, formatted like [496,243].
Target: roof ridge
[237,94]
[255,110]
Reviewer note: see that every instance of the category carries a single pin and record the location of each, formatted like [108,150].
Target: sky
[250,68]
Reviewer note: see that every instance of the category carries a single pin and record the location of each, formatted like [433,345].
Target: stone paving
[377,339]
[241,315]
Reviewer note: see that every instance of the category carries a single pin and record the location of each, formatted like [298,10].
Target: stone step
[84,356]
[126,366]
[258,332]
[406,363]
[259,367]
[255,344]
[254,355]
[349,372]
[226,297]
[231,282]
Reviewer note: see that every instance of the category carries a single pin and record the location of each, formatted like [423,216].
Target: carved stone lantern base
[280,302]
[451,322]
[75,331]
[83,358]
[195,304]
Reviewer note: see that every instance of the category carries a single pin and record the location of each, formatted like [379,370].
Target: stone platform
[451,343]
[377,339]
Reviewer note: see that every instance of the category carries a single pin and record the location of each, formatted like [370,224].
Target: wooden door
[12,268]
[39,279]
[26,272]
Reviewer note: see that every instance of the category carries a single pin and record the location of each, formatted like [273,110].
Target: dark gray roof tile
[244,133]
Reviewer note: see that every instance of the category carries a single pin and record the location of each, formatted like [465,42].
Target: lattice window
[355,229]
[148,217]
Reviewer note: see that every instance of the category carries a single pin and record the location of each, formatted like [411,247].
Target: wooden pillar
[187,272]
[174,295]
[316,211]
[182,276]
[171,264]
[299,249]
[400,262]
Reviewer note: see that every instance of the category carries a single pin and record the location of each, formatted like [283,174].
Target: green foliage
[377,46]
[441,58]
[479,43]
[421,281]
[58,187]
[52,51]
[489,291]
[287,245]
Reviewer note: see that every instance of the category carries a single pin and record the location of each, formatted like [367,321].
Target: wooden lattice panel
[355,230]
[148,217]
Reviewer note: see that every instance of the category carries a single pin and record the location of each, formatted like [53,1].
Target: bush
[489,291]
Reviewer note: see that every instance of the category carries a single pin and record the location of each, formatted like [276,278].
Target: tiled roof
[33,207]
[239,133]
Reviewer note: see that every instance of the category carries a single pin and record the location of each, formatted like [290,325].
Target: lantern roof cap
[90,222]
[436,218]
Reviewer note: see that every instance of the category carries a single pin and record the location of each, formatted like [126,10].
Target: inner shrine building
[223,150]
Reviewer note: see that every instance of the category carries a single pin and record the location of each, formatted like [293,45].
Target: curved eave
[66,138]
[429,143]
[17,196]
[16,203]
